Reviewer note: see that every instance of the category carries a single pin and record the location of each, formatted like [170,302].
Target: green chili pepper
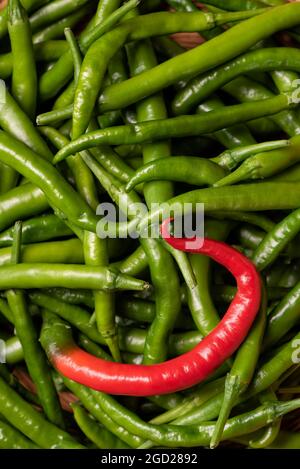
[72,276]
[56,30]
[252,197]
[19,203]
[197,171]
[225,293]
[131,340]
[104,9]
[232,137]
[102,437]
[271,432]
[54,11]
[283,317]
[75,297]
[199,298]
[95,254]
[90,403]
[285,440]
[255,219]
[162,268]
[141,28]
[136,262]
[31,423]
[33,353]
[266,375]
[83,177]
[12,439]
[144,311]
[176,127]
[13,351]
[195,399]
[64,252]
[242,371]
[198,60]
[14,121]
[276,240]
[24,76]
[75,51]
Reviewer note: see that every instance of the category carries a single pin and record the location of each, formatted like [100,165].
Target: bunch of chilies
[135,118]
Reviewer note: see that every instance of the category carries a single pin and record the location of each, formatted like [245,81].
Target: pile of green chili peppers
[99,103]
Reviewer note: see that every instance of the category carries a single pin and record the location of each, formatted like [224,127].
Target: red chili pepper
[190,368]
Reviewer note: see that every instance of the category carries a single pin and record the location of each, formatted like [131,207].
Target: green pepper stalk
[55,79]
[271,432]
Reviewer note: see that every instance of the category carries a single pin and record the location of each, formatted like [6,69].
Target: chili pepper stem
[238,175]
[231,393]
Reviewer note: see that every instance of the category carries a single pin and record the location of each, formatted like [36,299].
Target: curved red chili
[188,369]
